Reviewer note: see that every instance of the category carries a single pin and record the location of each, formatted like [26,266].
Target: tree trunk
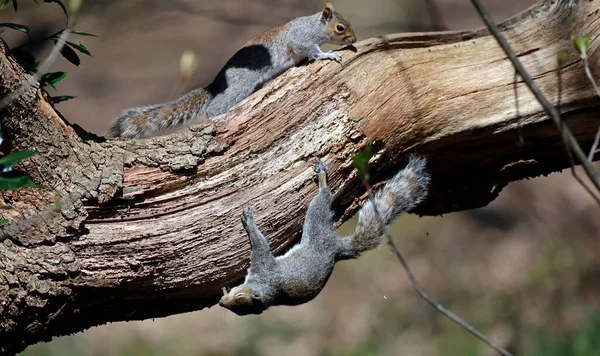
[136,229]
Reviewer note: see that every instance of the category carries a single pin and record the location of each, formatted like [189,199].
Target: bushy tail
[404,192]
[148,120]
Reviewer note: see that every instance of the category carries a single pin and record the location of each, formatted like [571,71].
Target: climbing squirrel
[260,60]
[300,274]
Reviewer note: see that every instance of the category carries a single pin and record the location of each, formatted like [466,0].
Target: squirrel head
[242,300]
[339,29]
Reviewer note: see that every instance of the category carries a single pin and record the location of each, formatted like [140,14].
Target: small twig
[568,149]
[568,137]
[578,179]
[588,73]
[594,146]
[586,66]
[422,291]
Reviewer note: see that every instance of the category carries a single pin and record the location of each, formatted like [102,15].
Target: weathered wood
[148,228]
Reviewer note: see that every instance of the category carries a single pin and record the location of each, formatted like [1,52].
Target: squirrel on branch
[299,275]
[261,59]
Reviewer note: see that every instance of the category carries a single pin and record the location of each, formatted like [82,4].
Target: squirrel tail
[404,192]
[146,121]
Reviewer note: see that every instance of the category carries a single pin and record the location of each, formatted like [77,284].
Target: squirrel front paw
[336,57]
[333,56]
[329,55]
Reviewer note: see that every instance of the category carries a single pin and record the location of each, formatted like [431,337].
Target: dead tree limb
[149,228]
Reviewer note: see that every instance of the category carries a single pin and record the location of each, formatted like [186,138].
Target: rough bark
[135,229]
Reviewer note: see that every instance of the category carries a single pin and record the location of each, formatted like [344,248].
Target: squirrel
[299,275]
[261,59]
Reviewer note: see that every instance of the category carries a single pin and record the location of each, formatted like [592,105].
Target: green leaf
[581,44]
[52,78]
[5,207]
[82,33]
[59,99]
[361,162]
[13,158]
[80,47]
[69,54]
[14,180]
[15,26]
[4,221]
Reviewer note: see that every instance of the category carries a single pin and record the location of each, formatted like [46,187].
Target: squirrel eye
[239,295]
[340,28]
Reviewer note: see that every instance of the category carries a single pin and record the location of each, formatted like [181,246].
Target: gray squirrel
[261,59]
[299,275]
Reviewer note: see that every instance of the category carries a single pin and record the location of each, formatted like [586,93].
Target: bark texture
[135,229]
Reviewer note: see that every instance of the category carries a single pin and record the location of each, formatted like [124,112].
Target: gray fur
[260,60]
[158,117]
[404,192]
[300,274]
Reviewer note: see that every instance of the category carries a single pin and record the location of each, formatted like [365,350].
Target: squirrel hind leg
[260,253]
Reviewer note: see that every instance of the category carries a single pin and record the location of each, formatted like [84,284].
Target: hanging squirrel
[299,275]
[260,60]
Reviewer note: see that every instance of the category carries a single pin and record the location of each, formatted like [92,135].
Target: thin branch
[568,137]
[422,291]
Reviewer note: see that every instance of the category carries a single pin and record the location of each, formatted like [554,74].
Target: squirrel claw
[334,56]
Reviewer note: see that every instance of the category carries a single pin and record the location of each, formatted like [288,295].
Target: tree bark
[136,229]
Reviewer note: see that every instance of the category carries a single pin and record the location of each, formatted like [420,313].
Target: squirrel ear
[327,13]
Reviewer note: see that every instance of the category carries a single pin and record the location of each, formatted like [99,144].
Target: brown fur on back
[266,36]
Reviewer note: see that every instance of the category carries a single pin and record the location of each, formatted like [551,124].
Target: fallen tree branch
[150,228]
[570,140]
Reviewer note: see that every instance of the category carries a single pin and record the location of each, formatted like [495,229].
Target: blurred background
[525,269]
